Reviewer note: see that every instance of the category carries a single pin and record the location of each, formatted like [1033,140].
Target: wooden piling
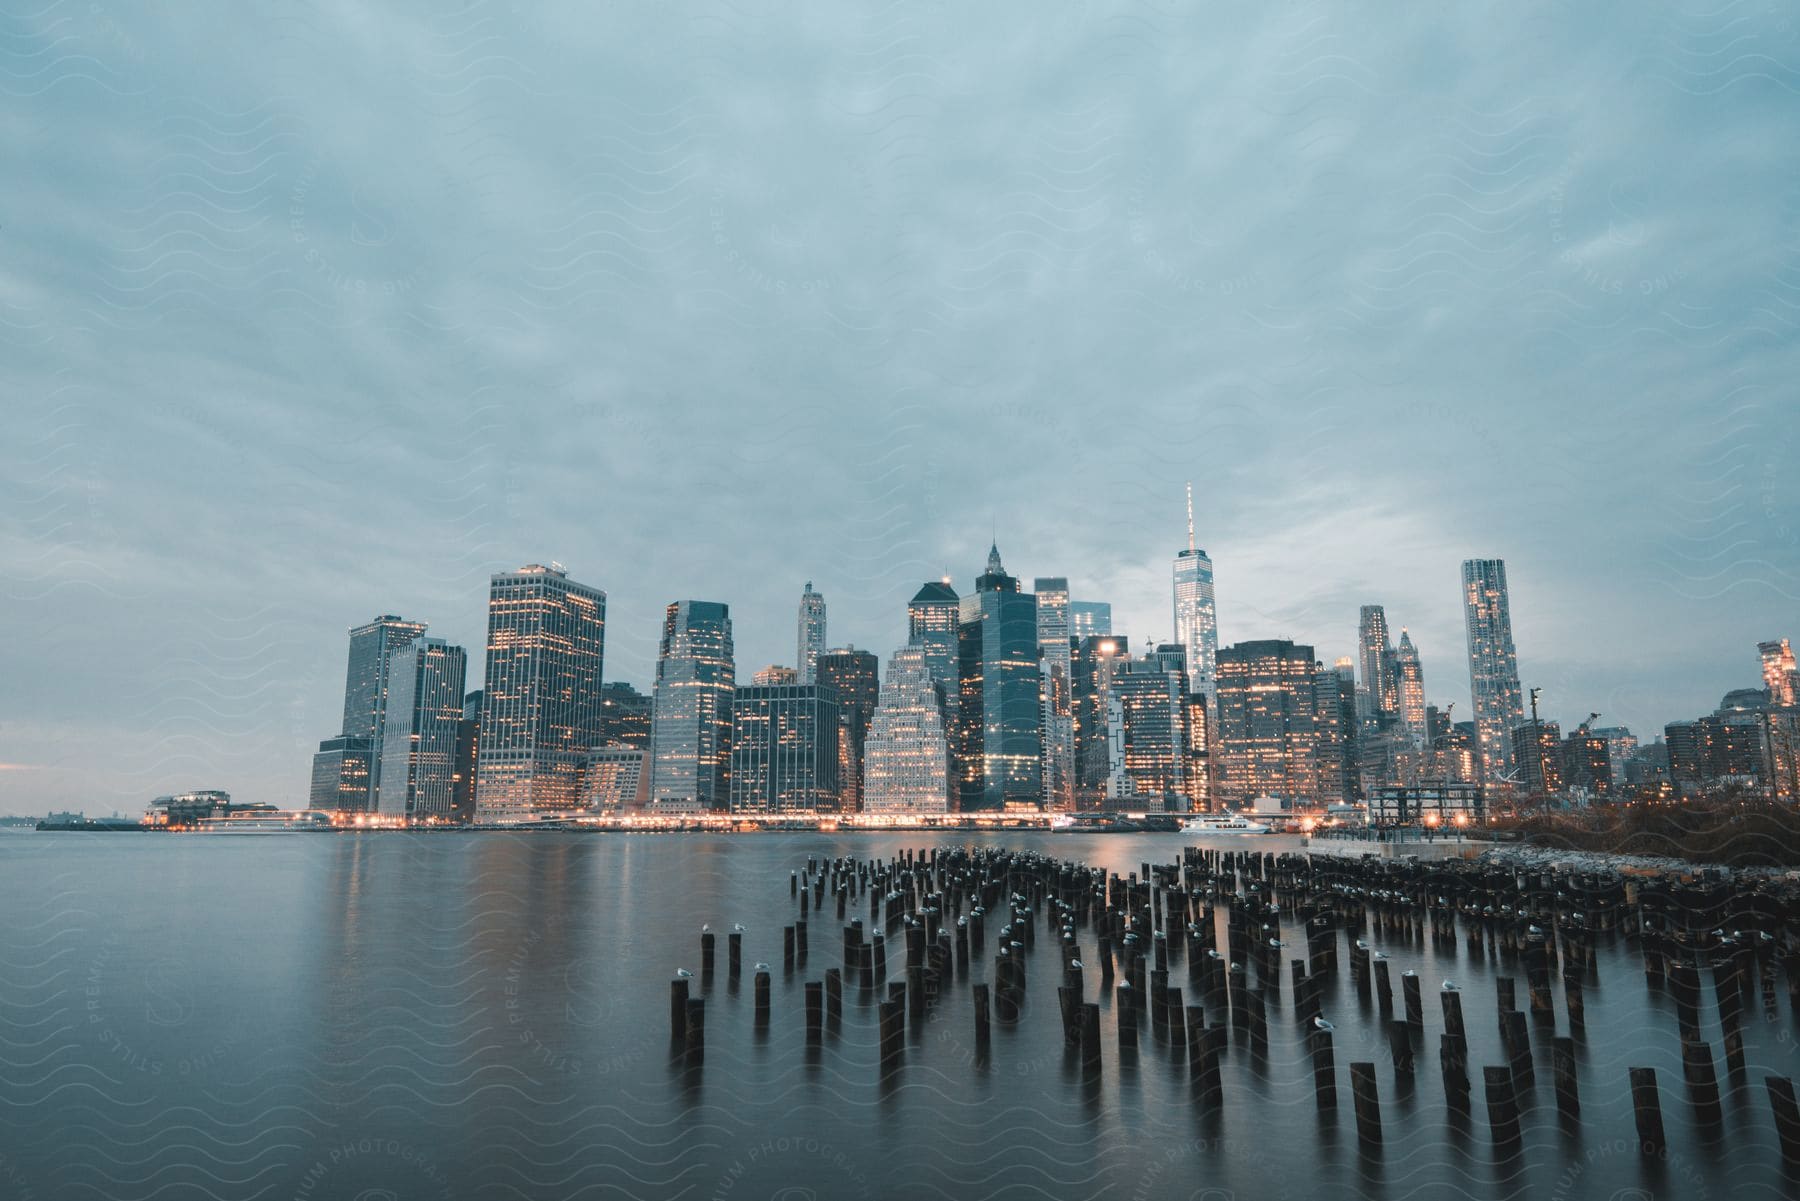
[893,1033]
[678,999]
[1702,1076]
[1453,1060]
[1400,1047]
[1324,1067]
[1646,1104]
[1367,1099]
[1787,1116]
[1568,1094]
[1502,1104]
[696,1031]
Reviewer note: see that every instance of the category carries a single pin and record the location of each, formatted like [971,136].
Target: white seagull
[1322,1024]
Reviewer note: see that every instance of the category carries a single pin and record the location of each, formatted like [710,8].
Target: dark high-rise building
[366,680]
[1335,722]
[468,742]
[624,716]
[810,643]
[1377,658]
[425,708]
[1730,746]
[1687,754]
[855,676]
[1493,664]
[1055,669]
[1587,761]
[1088,619]
[1157,749]
[1537,754]
[1409,690]
[690,732]
[1096,660]
[931,620]
[1268,726]
[1349,728]
[540,709]
[1000,752]
[340,774]
[784,748]
[1621,745]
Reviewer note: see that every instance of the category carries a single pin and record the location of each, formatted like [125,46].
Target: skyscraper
[1155,742]
[690,734]
[624,716]
[340,774]
[855,676]
[612,780]
[1538,752]
[1196,618]
[1621,746]
[1336,723]
[1054,664]
[812,633]
[931,620]
[1097,659]
[1377,660]
[425,709]
[775,673]
[372,650]
[1409,689]
[1268,729]
[541,702]
[1781,675]
[784,748]
[999,748]
[906,760]
[468,747]
[1493,664]
[1089,619]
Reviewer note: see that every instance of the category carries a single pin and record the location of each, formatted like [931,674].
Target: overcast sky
[309,313]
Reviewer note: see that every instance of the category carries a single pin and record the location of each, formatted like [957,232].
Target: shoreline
[1509,853]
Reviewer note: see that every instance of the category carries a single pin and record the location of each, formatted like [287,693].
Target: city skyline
[1436,691]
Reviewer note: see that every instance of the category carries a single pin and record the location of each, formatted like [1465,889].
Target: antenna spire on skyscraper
[1190,499]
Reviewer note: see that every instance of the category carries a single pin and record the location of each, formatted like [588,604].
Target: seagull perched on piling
[762,967]
[683,973]
[1361,945]
[1076,964]
[1450,986]
[1322,1024]
[737,927]
[1381,957]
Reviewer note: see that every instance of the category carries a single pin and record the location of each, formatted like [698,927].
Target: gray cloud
[310,313]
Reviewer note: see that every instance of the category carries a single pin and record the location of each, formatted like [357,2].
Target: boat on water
[1222,823]
[1068,823]
[267,822]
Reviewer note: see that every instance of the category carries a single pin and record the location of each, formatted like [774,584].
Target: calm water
[389,1016]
